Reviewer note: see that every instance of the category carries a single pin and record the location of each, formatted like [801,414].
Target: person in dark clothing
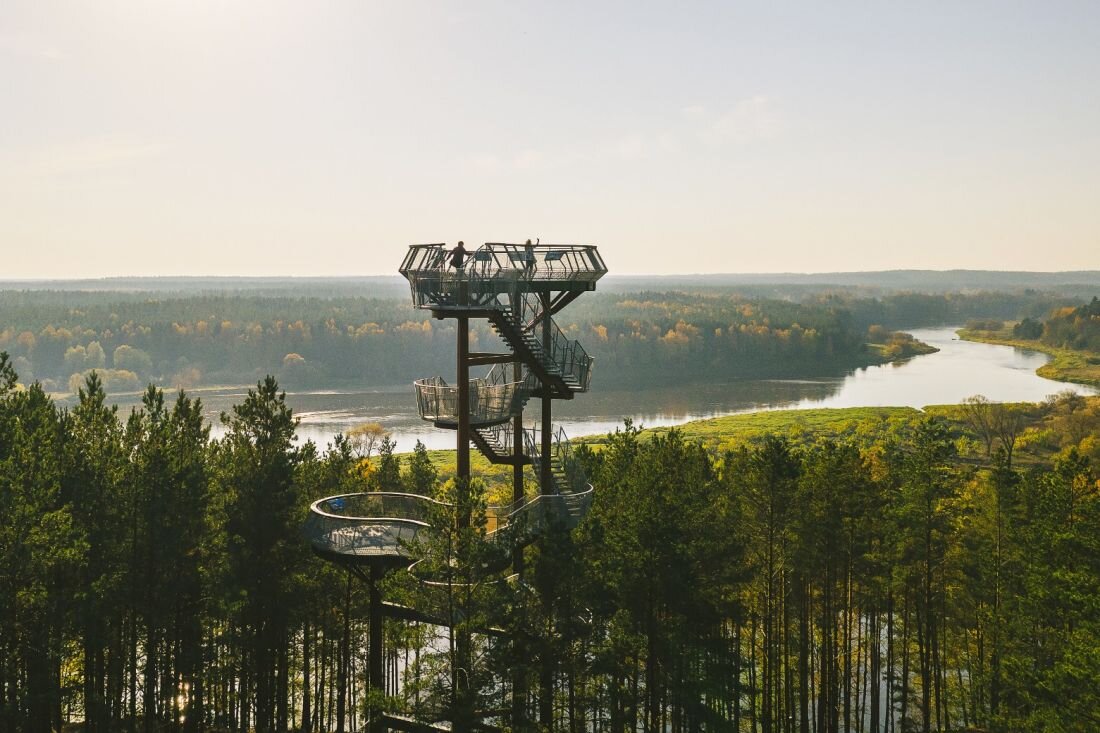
[528,256]
[458,256]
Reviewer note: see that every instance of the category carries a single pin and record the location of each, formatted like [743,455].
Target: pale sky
[320,138]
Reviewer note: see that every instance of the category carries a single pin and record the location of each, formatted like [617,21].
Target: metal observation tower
[518,288]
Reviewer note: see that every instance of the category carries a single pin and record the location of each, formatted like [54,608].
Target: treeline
[1066,328]
[206,339]
[154,579]
[915,309]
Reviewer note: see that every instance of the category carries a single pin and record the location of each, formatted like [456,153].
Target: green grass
[732,430]
[1066,365]
[720,433]
[497,477]
[724,432]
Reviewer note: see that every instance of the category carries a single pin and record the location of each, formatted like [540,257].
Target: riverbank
[719,434]
[1047,428]
[1065,365]
[730,431]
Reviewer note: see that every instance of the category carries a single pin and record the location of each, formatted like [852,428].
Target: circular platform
[384,526]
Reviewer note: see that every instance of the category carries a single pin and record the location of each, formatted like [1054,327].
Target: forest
[894,572]
[1070,328]
[188,338]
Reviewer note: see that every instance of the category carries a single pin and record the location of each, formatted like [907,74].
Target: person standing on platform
[458,256]
[528,257]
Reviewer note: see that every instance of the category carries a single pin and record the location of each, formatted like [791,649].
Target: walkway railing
[509,262]
[576,262]
[367,524]
[387,523]
[491,401]
[565,467]
[566,353]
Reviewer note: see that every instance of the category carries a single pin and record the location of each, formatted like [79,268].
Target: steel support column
[377,681]
[463,380]
[519,673]
[545,477]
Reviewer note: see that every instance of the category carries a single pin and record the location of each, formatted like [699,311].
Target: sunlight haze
[271,138]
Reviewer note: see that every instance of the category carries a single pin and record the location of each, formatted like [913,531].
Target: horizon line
[614,275]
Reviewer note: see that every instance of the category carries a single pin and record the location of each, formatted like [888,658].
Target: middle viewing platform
[491,401]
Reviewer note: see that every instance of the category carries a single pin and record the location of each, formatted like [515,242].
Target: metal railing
[387,523]
[499,437]
[559,262]
[495,268]
[565,353]
[367,524]
[491,400]
[571,262]
[570,476]
[505,374]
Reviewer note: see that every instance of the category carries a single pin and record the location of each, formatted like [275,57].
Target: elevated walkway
[386,526]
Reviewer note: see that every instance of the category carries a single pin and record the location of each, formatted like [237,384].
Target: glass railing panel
[437,400]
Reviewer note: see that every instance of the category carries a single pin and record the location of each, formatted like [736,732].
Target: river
[960,369]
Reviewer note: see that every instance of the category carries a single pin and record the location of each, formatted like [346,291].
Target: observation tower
[518,289]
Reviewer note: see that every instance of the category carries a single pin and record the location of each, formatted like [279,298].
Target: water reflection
[959,370]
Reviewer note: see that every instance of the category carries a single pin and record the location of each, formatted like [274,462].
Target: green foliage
[1028,329]
[188,339]
[894,345]
[422,476]
[388,475]
[733,431]
[809,570]
[1074,328]
[456,581]
[984,324]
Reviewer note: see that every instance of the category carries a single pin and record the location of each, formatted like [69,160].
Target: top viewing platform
[503,268]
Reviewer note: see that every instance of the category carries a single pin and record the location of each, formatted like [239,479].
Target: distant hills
[932,281]
[387,286]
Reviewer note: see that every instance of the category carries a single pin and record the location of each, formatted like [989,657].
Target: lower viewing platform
[384,526]
[367,526]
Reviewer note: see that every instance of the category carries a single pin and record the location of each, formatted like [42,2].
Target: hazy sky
[314,138]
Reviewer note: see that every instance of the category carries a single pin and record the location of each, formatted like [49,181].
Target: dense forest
[931,572]
[1067,328]
[190,339]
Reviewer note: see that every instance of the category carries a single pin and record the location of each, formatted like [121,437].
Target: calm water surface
[959,370]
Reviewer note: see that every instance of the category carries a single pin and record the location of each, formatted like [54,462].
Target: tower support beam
[463,385]
[547,402]
[377,681]
[519,673]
